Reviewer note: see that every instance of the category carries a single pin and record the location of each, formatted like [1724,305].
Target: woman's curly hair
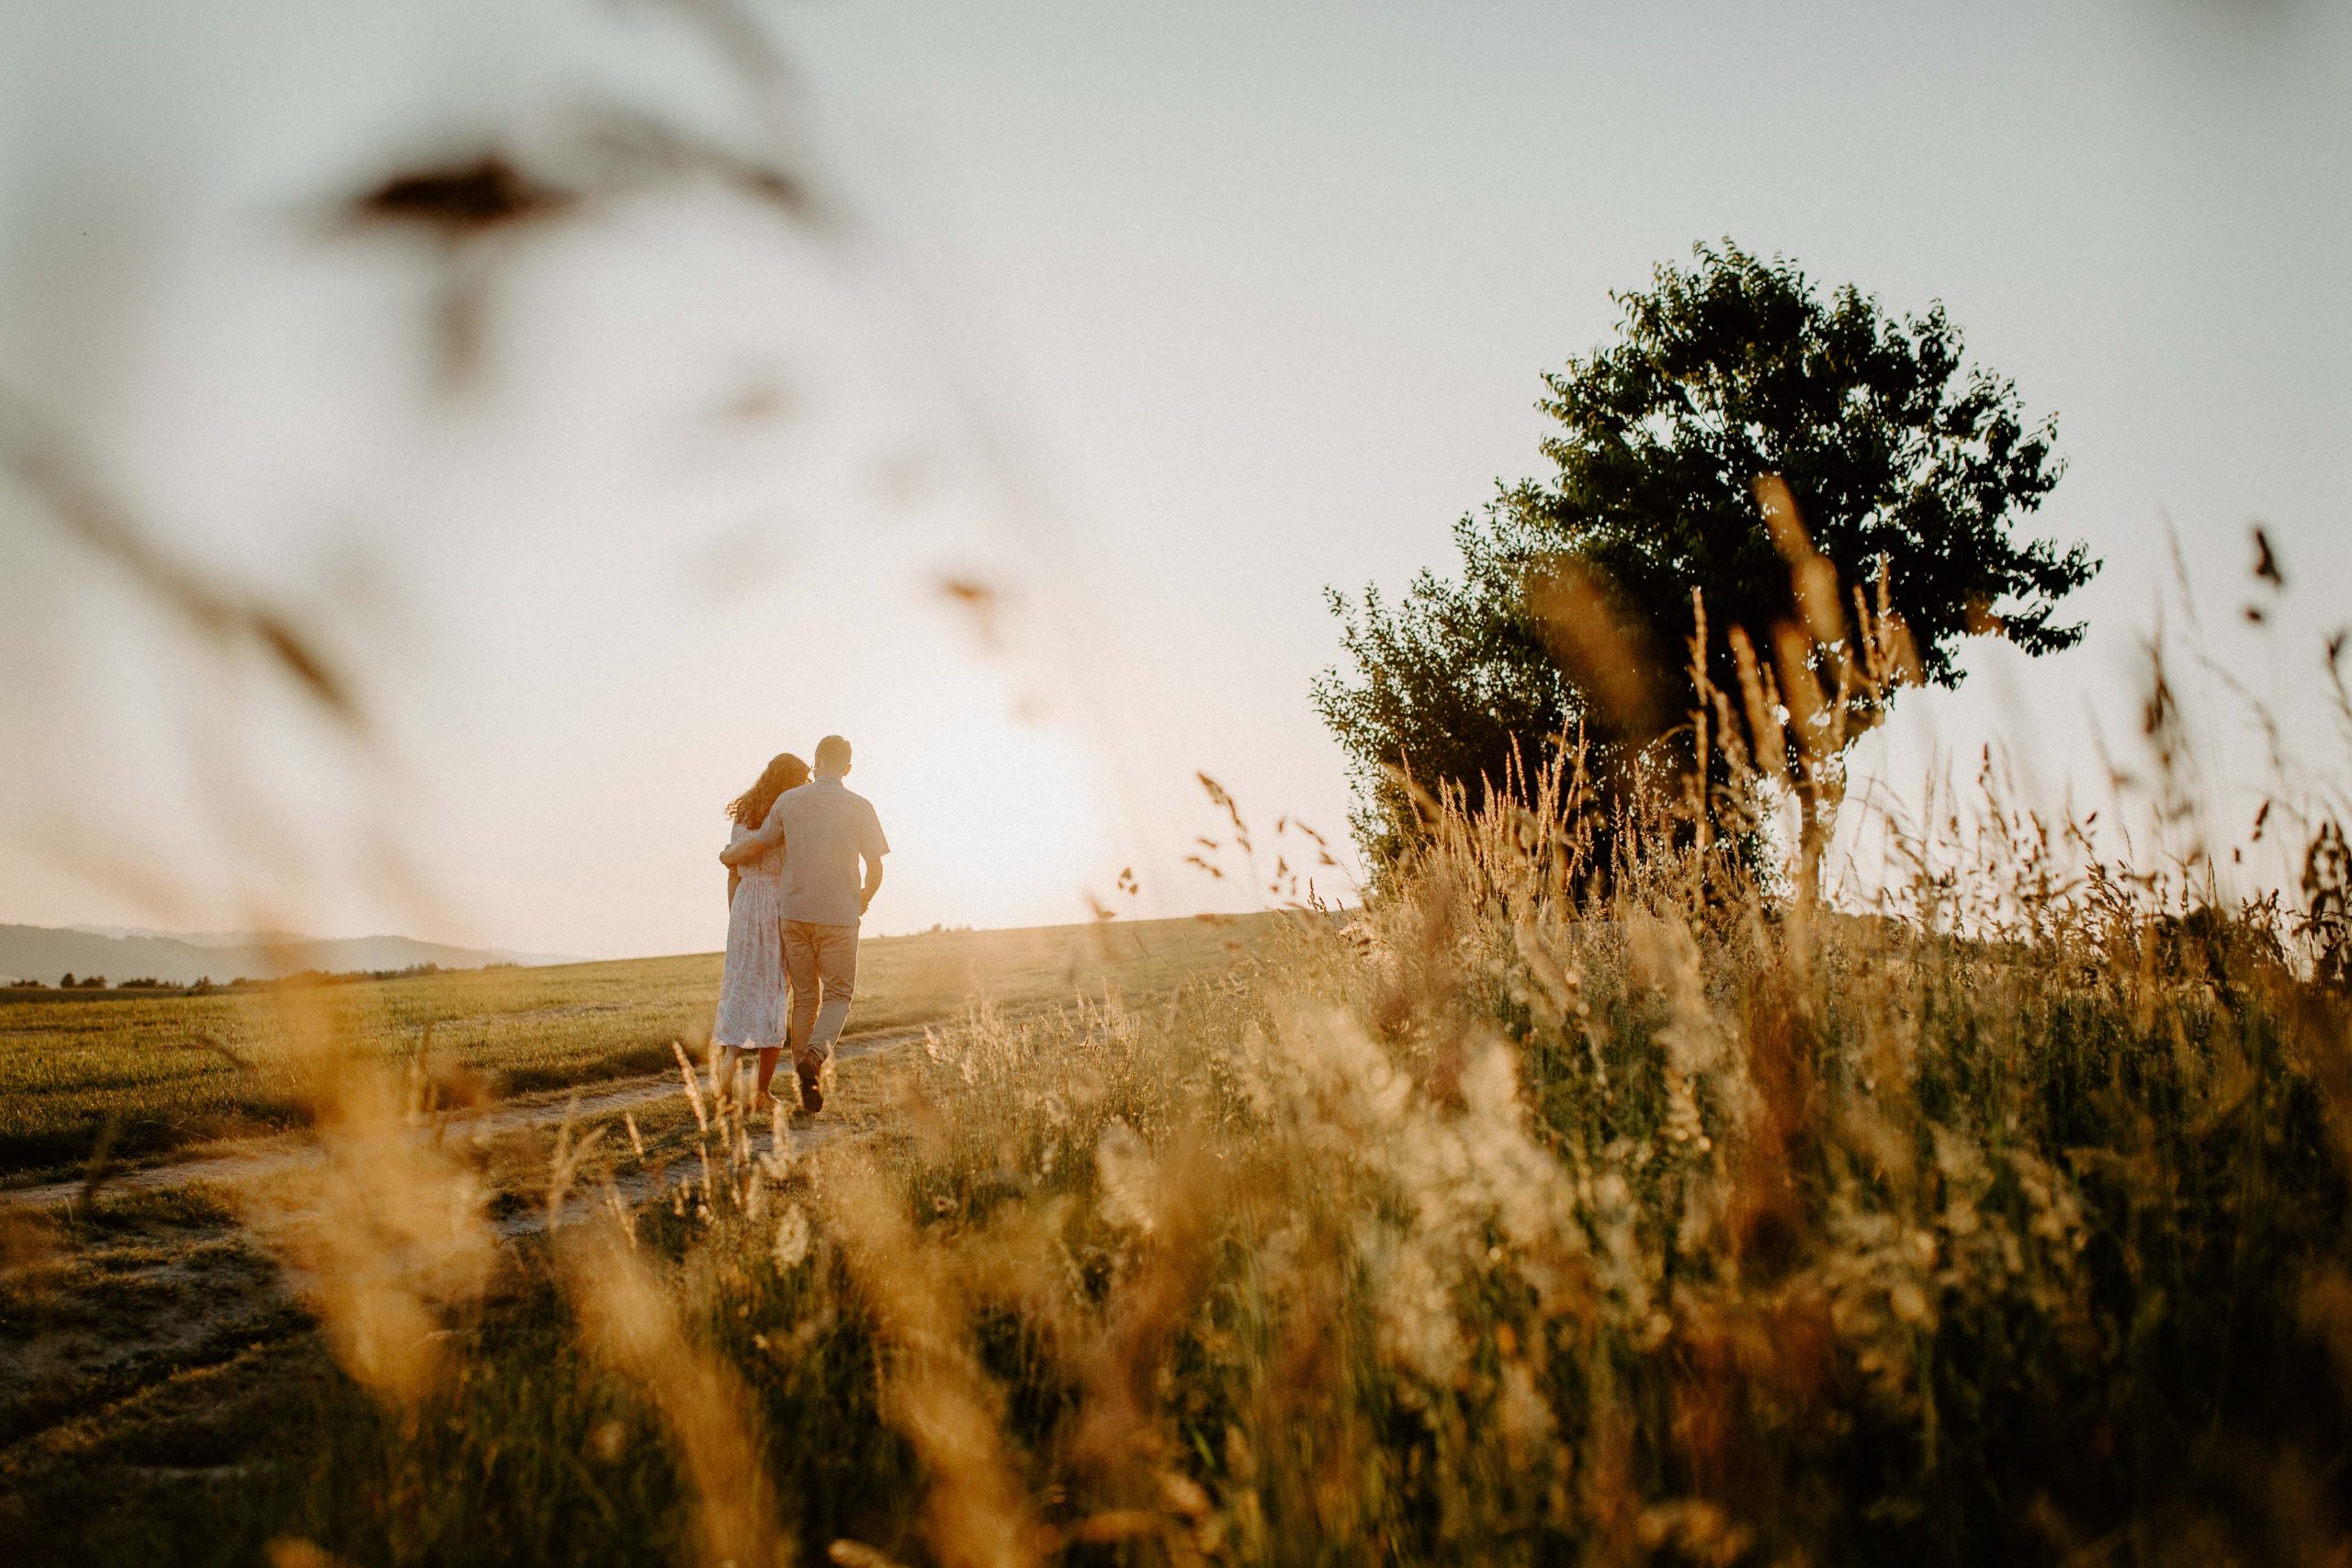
[783,773]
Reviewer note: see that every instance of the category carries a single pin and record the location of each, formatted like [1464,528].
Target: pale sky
[1156,320]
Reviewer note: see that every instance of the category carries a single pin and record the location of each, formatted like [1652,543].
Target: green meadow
[150,1074]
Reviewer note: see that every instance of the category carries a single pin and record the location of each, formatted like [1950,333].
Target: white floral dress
[751,989]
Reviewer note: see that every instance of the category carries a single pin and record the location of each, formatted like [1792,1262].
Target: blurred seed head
[1810,577]
[462,198]
[1129,1179]
[982,606]
[1602,650]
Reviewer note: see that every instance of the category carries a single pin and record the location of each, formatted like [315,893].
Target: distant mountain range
[123,952]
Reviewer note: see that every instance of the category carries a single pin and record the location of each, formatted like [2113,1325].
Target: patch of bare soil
[142,1477]
[111,1316]
[128,1321]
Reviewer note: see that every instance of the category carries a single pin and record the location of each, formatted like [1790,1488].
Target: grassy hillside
[48,954]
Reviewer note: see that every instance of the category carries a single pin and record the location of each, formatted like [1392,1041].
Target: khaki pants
[817,956]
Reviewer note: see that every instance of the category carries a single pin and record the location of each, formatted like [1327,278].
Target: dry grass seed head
[974,1513]
[388,1234]
[631,1319]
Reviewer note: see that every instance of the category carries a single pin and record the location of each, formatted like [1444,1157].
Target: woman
[751,988]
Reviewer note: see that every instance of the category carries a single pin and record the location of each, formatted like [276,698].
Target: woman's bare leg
[767,1071]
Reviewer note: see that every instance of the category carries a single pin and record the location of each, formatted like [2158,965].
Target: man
[827,832]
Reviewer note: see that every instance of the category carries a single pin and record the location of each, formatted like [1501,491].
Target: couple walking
[794,899]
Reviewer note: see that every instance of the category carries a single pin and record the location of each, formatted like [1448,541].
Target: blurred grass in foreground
[1675,1227]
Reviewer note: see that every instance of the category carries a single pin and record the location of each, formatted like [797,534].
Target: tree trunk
[1816,810]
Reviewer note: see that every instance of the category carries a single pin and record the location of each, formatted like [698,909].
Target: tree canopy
[1752,439]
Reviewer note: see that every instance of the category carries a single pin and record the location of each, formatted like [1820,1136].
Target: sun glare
[997,823]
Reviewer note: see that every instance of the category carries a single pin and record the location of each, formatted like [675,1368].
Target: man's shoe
[812,1091]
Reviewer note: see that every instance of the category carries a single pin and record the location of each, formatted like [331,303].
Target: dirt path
[161,1301]
[250,1162]
[125,1348]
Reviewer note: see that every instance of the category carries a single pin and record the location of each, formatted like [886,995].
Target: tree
[1450,687]
[1774,451]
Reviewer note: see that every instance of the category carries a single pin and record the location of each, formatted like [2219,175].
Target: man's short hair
[833,755]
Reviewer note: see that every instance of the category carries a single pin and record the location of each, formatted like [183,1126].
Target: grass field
[150,1074]
[1521,1219]
[153,1345]
[1497,1227]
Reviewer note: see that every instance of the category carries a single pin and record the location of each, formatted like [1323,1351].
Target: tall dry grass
[1581,1199]
[1506,1221]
